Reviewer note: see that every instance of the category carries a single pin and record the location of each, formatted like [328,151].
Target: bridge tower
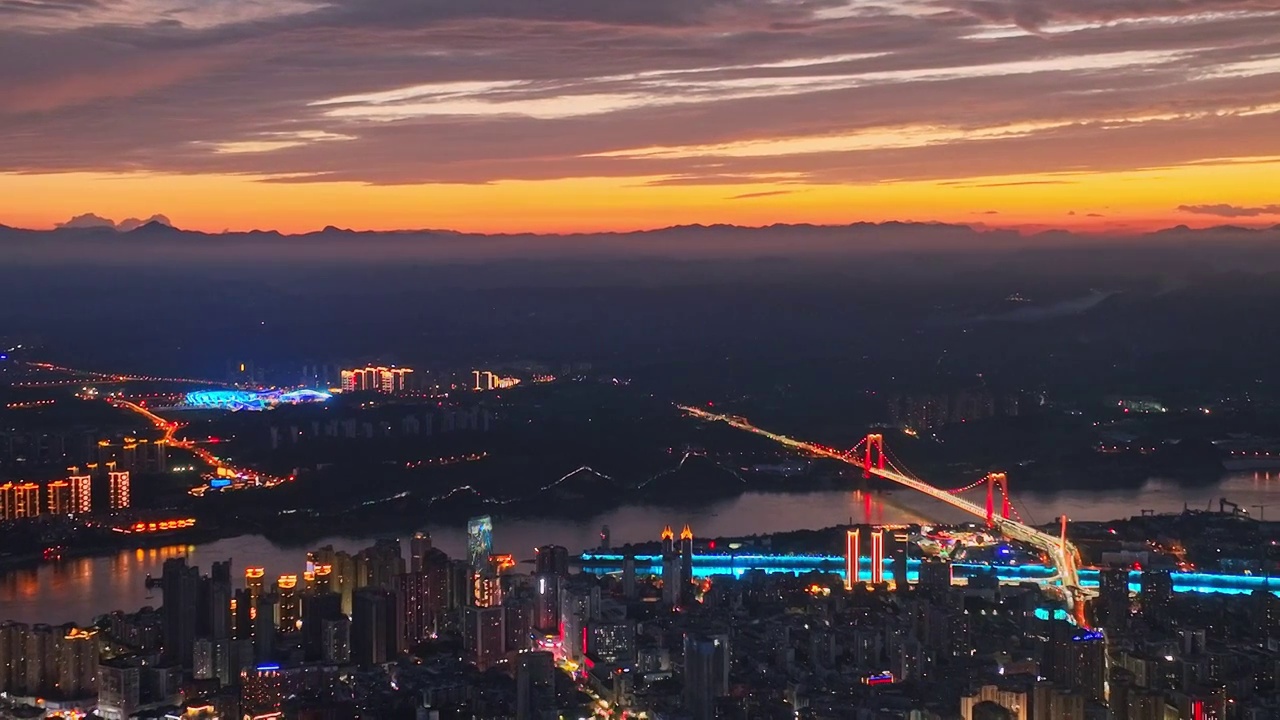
[994,480]
[874,453]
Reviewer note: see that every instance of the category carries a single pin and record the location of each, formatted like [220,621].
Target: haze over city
[577,116]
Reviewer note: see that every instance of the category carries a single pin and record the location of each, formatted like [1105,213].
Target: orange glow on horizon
[1101,202]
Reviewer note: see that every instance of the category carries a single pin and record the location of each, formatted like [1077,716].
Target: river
[78,589]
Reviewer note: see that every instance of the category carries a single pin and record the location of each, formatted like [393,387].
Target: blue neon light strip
[737,565]
[236,400]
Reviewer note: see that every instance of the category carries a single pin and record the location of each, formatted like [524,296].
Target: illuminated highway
[170,428]
[90,377]
[1061,554]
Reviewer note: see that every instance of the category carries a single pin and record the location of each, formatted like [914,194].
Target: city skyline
[582,118]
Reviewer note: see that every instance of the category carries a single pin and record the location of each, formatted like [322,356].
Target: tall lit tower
[852,573]
[668,540]
[877,556]
[81,490]
[419,546]
[117,488]
[686,564]
[290,602]
[58,494]
[253,582]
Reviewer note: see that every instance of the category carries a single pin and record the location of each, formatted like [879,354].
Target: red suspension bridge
[870,455]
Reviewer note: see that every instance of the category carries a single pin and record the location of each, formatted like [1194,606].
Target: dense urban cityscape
[1159,615]
[639,360]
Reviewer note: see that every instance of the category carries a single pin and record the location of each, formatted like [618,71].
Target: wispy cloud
[1231,211]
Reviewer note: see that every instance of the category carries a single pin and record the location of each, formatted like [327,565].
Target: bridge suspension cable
[1061,553]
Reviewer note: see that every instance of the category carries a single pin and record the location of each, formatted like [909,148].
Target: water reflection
[78,589]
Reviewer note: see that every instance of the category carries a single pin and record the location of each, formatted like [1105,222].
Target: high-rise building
[413,604]
[317,609]
[935,575]
[671,579]
[78,662]
[120,687]
[419,546]
[877,557]
[335,639]
[375,379]
[1113,597]
[118,497]
[1017,702]
[479,542]
[613,643]
[488,590]
[290,608]
[551,559]
[180,586]
[535,686]
[262,690]
[1156,596]
[265,618]
[254,582]
[375,635]
[629,577]
[852,571]
[203,662]
[546,602]
[484,634]
[686,565]
[706,673]
[215,619]
[898,556]
[81,490]
[668,540]
[58,494]
[1079,660]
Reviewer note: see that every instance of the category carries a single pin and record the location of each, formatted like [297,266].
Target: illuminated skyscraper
[484,635]
[479,542]
[19,500]
[877,557]
[668,540]
[419,546]
[117,488]
[686,565]
[546,602]
[58,494]
[81,490]
[488,589]
[852,573]
[393,380]
[253,582]
[290,603]
[375,379]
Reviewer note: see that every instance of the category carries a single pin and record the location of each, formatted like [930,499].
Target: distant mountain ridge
[155,241]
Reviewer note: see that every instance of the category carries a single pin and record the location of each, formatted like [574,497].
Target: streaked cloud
[1231,211]
[651,94]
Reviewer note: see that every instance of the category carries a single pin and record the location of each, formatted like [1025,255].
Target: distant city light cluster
[485,380]
[236,400]
[376,379]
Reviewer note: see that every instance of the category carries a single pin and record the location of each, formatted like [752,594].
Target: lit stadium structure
[235,400]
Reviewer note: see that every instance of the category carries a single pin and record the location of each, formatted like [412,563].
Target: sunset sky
[587,115]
